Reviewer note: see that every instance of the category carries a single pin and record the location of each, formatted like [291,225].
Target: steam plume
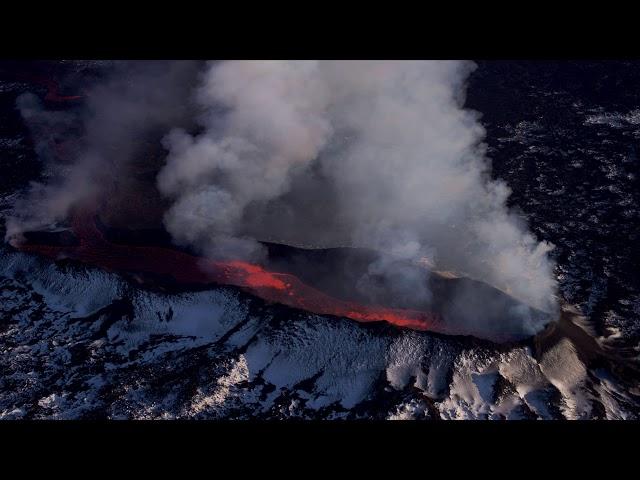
[378,154]
[263,120]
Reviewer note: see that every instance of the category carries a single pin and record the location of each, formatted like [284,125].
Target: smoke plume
[367,153]
[263,120]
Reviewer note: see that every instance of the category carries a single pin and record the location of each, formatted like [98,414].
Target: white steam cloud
[379,154]
[274,122]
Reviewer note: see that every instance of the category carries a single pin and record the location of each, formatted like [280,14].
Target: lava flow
[52,86]
[53,92]
[282,288]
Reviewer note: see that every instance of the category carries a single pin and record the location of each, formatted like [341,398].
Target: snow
[564,369]
[206,355]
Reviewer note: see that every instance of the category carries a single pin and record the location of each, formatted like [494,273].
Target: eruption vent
[295,278]
[378,155]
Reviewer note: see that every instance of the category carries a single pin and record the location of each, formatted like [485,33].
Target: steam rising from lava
[377,154]
[368,153]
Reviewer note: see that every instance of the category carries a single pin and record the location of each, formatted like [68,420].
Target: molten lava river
[282,288]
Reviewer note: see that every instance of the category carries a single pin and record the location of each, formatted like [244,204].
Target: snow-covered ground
[78,342]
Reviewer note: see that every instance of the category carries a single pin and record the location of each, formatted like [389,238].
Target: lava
[253,276]
[53,92]
[274,287]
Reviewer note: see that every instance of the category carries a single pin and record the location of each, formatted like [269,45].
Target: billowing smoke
[265,121]
[379,154]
